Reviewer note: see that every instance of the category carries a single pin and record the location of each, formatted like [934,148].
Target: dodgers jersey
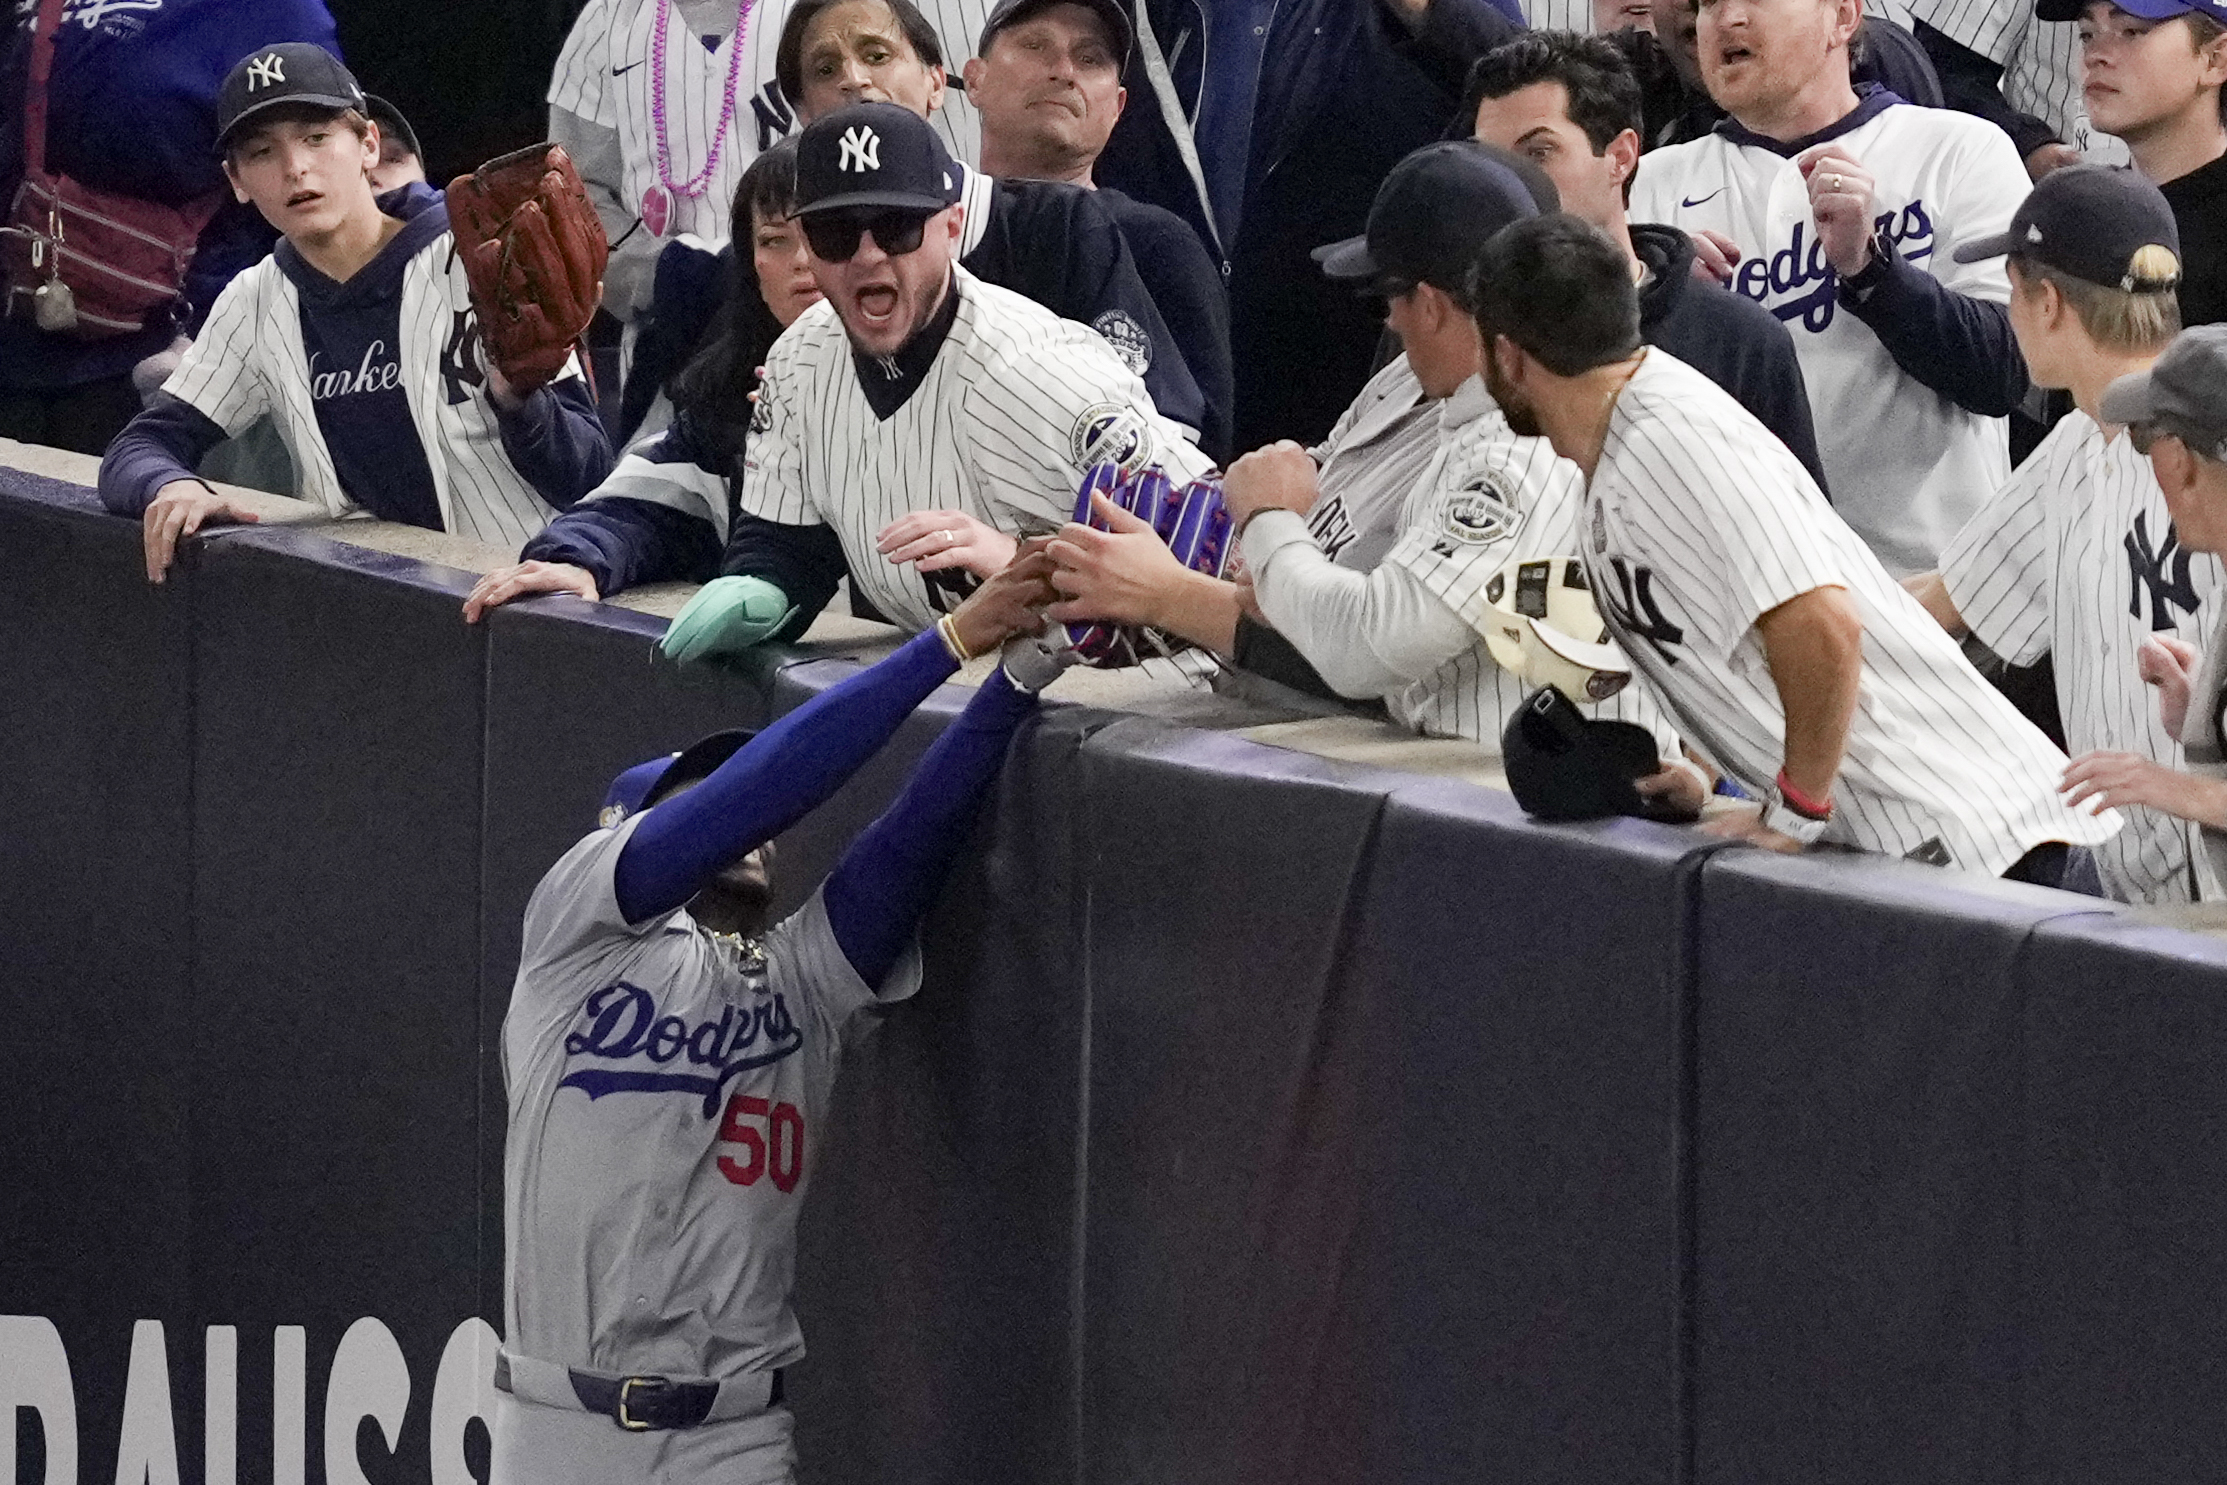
[604,75]
[1376,451]
[1697,523]
[1907,466]
[666,1087]
[1015,406]
[2077,556]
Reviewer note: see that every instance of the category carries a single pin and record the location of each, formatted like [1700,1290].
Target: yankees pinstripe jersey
[2204,740]
[2077,557]
[1696,524]
[665,1089]
[2042,69]
[250,360]
[1558,15]
[1015,406]
[1376,451]
[1907,466]
[604,75]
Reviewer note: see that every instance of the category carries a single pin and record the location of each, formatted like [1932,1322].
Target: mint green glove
[727,616]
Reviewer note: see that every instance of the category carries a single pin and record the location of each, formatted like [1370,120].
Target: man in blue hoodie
[357,336]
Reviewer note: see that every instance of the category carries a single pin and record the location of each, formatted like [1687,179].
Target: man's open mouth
[877,302]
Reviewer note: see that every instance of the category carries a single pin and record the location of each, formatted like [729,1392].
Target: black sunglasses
[834,235]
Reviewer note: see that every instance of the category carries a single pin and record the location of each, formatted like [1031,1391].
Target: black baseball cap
[2148,10]
[873,154]
[2184,392]
[1435,210]
[291,72]
[1013,12]
[1564,765]
[2098,223]
[391,123]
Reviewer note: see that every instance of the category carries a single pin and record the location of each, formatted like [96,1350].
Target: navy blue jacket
[132,109]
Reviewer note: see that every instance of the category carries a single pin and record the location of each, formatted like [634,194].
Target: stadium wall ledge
[1281,1105]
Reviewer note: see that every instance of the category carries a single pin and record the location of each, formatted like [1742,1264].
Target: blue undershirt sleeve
[879,891]
[1959,346]
[624,543]
[556,441]
[777,778]
[165,442]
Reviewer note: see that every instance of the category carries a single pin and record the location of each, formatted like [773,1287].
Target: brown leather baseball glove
[534,252]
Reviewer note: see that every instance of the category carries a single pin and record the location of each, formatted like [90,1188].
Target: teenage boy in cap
[2154,74]
[357,335]
[911,387]
[2177,410]
[1047,87]
[2076,556]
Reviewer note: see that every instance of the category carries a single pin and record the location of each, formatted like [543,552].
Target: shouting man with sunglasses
[918,422]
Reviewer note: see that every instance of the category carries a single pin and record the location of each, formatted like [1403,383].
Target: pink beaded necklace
[657,201]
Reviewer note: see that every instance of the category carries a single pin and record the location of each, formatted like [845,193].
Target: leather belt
[638,1404]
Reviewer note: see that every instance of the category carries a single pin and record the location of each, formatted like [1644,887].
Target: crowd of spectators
[1229,197]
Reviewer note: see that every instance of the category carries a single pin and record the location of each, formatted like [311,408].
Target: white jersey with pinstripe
[1488,497]
[2077,557]
[2042,68]
[249,360]
[1379,447]
[1016,405]
[604,75]
[1697,523]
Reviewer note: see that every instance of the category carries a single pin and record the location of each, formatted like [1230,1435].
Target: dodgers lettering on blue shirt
[1800,269]
[624,1025]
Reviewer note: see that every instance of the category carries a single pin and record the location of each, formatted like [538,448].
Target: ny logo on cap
[265,71]
[861,150]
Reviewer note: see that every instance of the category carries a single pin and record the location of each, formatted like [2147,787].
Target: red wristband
[1800,803]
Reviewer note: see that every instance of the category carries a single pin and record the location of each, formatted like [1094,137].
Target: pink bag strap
[34,93]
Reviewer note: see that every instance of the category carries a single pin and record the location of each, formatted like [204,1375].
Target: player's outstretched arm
[1127,575]
[795,764]
[886,881]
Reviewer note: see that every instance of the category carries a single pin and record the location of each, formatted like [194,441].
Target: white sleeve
[1369,634]
[217,376]
[1494,496]
[1064,404]
[1996,568]
[581,82]
[772,487]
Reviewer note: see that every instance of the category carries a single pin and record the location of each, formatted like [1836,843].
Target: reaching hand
[937,539]
[2115,780]
[1748,825]
[527,578]
[1119,576]
[179,509]
[1683,786]
[1715,256]
[2170,665]
[1840,200]
[1279,477]
[1010,601]
[2051,156]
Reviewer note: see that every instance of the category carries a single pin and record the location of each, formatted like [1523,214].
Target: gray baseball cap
[2185,392]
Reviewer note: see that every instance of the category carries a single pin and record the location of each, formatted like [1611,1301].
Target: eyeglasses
[834,235]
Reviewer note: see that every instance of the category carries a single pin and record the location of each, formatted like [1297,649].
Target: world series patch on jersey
[1015,407]
[1697,523]
[1907,466]
[666,1088]
[2076,557]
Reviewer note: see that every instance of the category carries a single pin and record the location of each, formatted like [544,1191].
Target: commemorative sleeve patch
[1480,512]
[1128,339]
[1111,433]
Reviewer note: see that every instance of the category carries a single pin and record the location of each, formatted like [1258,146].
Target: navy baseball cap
[873,154]
[646,783]
[291,72]
[1435,210]
[2096,222]
[2184,392]
[391,123]
[2148,10]
[1013,12]
[1564,765]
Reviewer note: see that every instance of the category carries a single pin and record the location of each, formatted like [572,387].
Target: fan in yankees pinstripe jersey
[917,420]
[2076,556]
[1781,648]
[2001,62]
[661,148]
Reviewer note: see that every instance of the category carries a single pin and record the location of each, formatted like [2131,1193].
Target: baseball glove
[1190,519]
[534,253]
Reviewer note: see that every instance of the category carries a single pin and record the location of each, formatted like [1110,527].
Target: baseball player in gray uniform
[1785,654]
[916,422]
[668,1056]
[2077,556]
[2177,411]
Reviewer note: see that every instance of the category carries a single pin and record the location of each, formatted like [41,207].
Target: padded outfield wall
[1264,1117]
